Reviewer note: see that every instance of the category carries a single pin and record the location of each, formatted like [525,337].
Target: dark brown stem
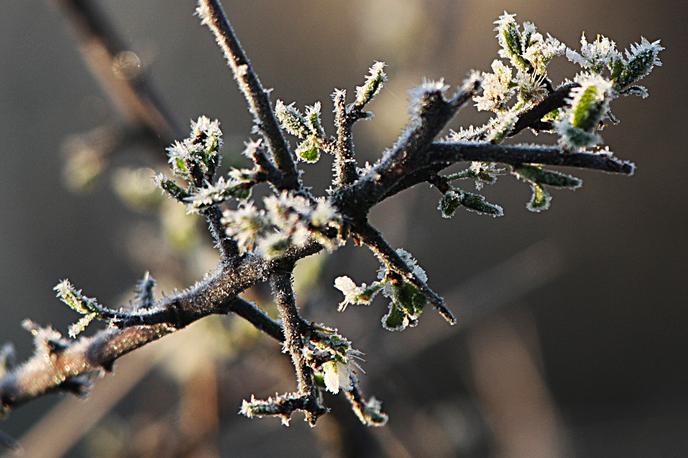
[257,98]
[292,323]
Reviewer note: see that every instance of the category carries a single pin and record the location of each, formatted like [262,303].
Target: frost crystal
[597,55]
[243,225]
[496,88]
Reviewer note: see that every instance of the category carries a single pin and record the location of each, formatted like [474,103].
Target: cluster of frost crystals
[588,105]
[244,225]
[215,193]
[596,56]
[497,89]
[295,219]
[200,149]
[207,132]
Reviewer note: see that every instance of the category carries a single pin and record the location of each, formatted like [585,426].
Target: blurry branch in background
[119,72]
[262,244]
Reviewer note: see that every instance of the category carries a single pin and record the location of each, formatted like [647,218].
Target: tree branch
[213,15]
[132,95]
[285,301]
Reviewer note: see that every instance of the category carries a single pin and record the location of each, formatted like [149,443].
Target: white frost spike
[596,55]
[372,86]
[203,125]
[243,225]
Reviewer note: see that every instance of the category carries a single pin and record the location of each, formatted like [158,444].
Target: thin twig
[389,257]
[213,15]
[294,342]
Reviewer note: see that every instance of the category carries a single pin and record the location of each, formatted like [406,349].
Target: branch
[431,114]
[388,256]
[213,15]
[345,164]
[132,95]
[532,118]
[64,362]
[294,343]
[443,154]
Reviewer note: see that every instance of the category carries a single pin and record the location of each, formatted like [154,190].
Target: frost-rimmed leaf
[450,201]
[540,199]
[510,40]
[308,150]
[171,188]
[537,174]
[639,62]
[476,203]
[395,319]
[372,85]
[291,119]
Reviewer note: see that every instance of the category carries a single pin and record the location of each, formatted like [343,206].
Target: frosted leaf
[510,40]
[450,201]
[372,86]
[496,88]
[216,193]
[639,62]
[80,326]
[291,119]
[500,126]
[540,199]
[589,104]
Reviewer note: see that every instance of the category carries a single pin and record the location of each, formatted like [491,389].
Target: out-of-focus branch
[257,98]
[127,88]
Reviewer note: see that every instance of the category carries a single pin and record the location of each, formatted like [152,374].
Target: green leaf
[450,201]
[477,203]
[308,150]
[395,319]
[537,174]
[540,200]
[409,299]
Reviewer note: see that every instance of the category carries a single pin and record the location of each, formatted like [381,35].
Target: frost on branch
[261,241]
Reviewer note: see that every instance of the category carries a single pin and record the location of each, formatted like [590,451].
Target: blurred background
[572,335]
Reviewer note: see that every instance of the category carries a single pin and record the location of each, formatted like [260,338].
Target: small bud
[372,86]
